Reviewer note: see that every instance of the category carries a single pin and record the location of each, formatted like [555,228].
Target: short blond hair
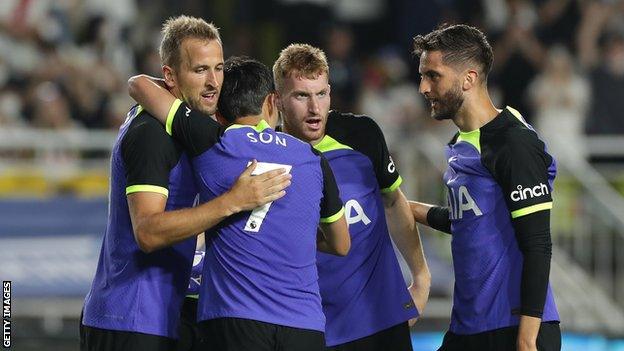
[301,59]
[176,29]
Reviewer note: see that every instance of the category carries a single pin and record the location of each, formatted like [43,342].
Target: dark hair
[458,43]
[246,84]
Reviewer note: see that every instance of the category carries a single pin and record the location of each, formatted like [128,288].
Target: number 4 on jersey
[254,222]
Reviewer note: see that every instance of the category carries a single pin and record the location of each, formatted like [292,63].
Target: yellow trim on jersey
[133,113]
[328,144]
[393,187]
[531,209]
[516,114]
[147,188]
[172,111]
[472,138]
[193,296]
[332,219]
[262,125]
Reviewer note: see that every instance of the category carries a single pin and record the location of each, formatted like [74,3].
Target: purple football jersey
[134,291]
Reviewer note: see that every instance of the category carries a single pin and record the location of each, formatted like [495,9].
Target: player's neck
[475,112]
[249,120]
[177,93]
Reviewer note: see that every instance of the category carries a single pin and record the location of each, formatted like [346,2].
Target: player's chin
[441,116]
[311,135]
[209,109]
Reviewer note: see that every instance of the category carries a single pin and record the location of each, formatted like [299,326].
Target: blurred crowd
[64,63]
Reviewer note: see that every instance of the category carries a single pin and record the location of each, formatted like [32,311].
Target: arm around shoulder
[151,94]
[154,228]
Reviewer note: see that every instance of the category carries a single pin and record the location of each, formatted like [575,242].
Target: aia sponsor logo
[461,202]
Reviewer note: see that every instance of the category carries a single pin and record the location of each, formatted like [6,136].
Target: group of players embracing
[298,207]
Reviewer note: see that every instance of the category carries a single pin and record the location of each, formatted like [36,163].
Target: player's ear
[169,76]
[278,101]
[470,79]
[271,109]
[270,103]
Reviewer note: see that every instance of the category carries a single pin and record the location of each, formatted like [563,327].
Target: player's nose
[211,79]
[424,87]
[313,105]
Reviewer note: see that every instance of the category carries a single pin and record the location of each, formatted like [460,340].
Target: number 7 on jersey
[254,222]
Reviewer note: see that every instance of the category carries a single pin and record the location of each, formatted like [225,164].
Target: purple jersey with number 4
[364,292]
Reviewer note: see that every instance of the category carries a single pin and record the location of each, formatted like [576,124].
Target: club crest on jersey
[462,202]
[529,192]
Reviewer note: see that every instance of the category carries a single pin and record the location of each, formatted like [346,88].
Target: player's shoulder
[337,119]
[510,135]
[519,134]
[142,124]
[146,135]
[352,129]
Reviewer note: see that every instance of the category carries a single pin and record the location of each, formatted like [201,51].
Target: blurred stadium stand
[63,68]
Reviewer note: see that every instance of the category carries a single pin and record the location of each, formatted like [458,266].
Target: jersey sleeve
[331,204]
[196,131]
[521,170]
[148,155]
[439,219]
[388,176]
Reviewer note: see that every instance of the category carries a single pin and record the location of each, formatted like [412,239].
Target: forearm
[337,240]
[533,235]
[436,217]
[164,229]
[534,283]
[406,237]
[322,245]
[527,333]
[419,211]
[404,233]
[152,96]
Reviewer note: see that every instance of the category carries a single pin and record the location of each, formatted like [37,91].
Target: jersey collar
[261,126]
[328,144]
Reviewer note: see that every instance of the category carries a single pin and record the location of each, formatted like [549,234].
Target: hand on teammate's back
[251,191]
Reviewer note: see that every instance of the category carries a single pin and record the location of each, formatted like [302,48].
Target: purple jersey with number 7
[260,264]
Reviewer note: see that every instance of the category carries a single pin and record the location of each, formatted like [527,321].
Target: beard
[449,104]
[196,105]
